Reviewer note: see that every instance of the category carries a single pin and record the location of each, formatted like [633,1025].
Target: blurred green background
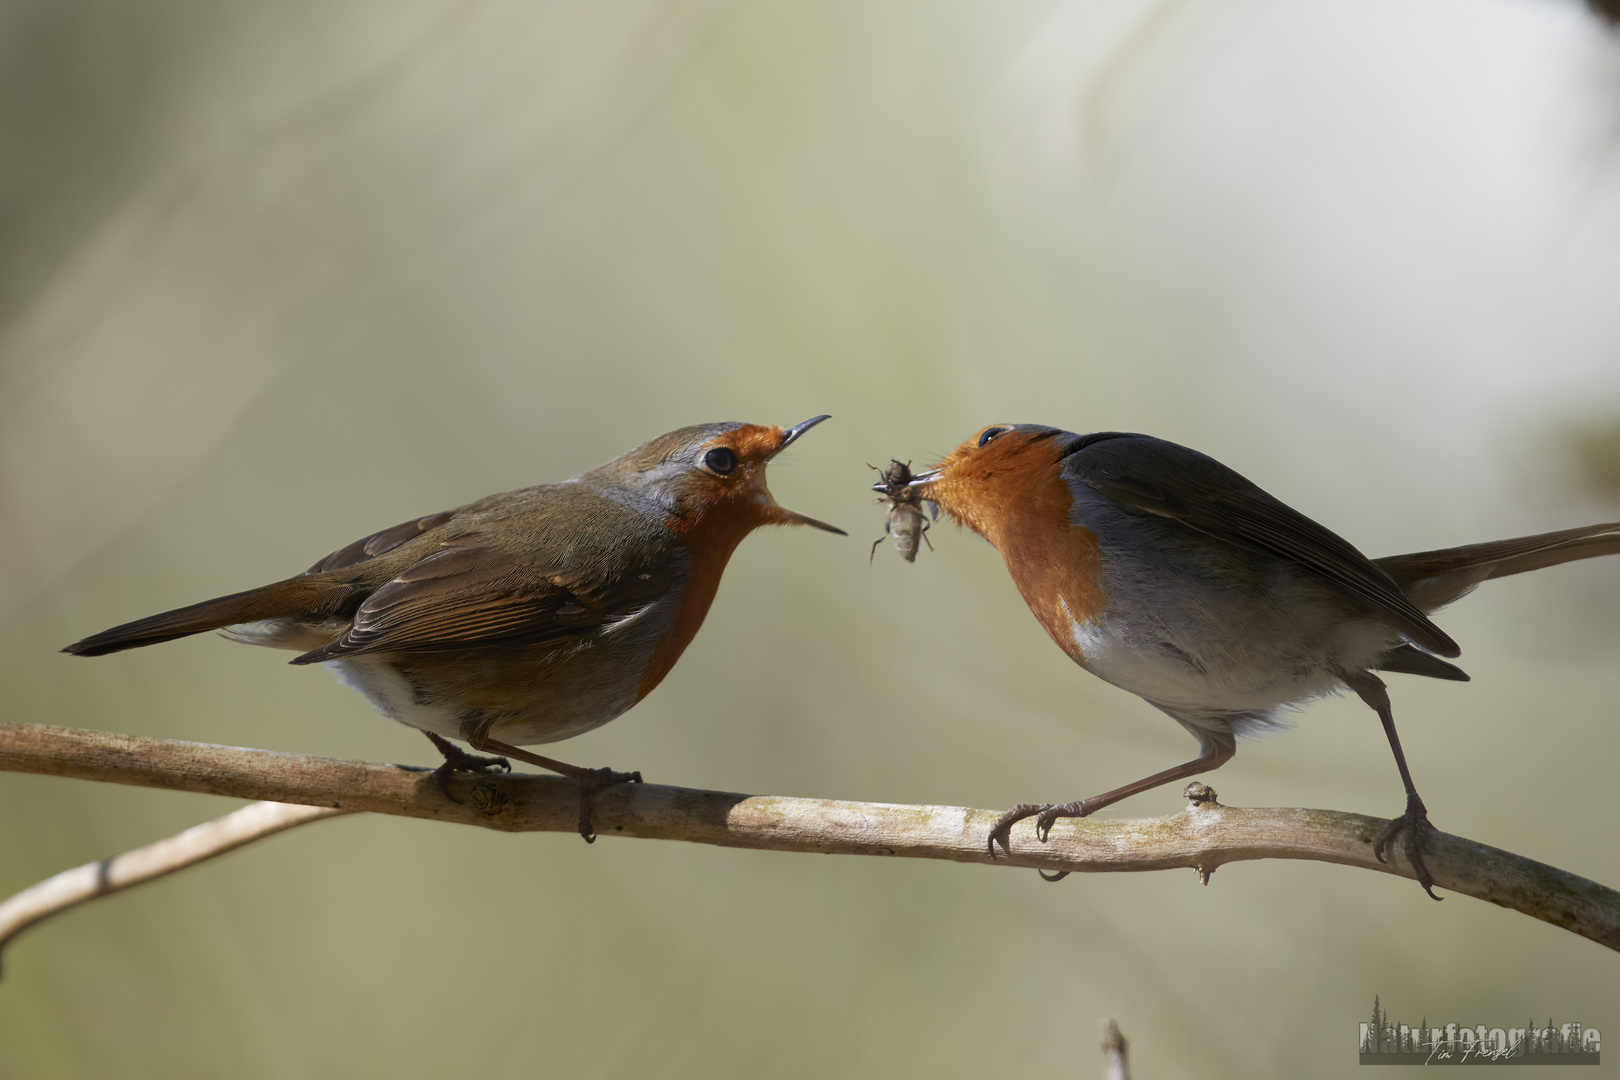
[273,276]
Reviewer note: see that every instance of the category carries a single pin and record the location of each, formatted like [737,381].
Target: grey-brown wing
[369,547]
[469,595]
[1153,476]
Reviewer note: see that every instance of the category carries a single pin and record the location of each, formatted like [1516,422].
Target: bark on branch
[1203,837]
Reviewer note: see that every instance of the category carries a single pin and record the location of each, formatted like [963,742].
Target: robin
[526,617]
[1164,572]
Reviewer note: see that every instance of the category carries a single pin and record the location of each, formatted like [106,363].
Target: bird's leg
[590,780]
[458,760]
[1415,822]
[1218,749]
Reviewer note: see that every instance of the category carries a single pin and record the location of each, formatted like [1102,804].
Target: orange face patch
[1000,476]
[752,442]
[727,507]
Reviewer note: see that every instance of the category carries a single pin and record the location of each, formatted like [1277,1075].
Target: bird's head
[997,477]
[710,478]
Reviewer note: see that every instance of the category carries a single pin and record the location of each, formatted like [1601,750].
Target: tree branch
[1116,1063]
[104,877]
[1203,837]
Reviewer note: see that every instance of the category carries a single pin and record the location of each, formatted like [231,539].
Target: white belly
[393,696]
[1243,678]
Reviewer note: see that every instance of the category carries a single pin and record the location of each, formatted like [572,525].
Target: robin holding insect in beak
[1167,574]
[522,618]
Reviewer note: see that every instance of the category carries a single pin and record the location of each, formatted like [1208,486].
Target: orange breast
[1024,511]
[1058,569]
[709,543]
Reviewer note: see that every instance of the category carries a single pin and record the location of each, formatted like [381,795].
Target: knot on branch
[1199,796]
[489,800]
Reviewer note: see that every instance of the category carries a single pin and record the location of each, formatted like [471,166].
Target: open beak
[783,515]
[922,480]
[917,481]
[791,435]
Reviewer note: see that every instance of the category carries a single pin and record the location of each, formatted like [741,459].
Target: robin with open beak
[522,618]
[1167,574]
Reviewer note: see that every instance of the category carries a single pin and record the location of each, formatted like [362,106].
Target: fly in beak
[783,515]
[921,481]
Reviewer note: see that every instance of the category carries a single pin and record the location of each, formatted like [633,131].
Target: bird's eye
[720,460]
[990,433]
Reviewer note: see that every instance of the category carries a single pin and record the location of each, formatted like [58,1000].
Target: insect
[906,519]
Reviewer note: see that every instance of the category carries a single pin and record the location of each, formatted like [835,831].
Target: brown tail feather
[295,596]
[1433,579]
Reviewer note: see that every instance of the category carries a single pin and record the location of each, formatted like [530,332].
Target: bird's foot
[1415,824]
[590,782]
[1043,828]
[458,760]
[1044,814]
[1001,831]
[1049,815]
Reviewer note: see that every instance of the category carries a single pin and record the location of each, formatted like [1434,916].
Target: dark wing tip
[1445,646]
[1410,660]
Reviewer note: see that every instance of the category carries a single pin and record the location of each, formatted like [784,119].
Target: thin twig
[104,877]
[1203,837]
[1116,1065]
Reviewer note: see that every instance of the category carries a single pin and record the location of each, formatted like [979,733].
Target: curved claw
[458,760]
[1059,876]
[1002,830]
[1050,813]
[1415,824]
[1044,822]
[1389,833]
[590,783]
[441,777]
